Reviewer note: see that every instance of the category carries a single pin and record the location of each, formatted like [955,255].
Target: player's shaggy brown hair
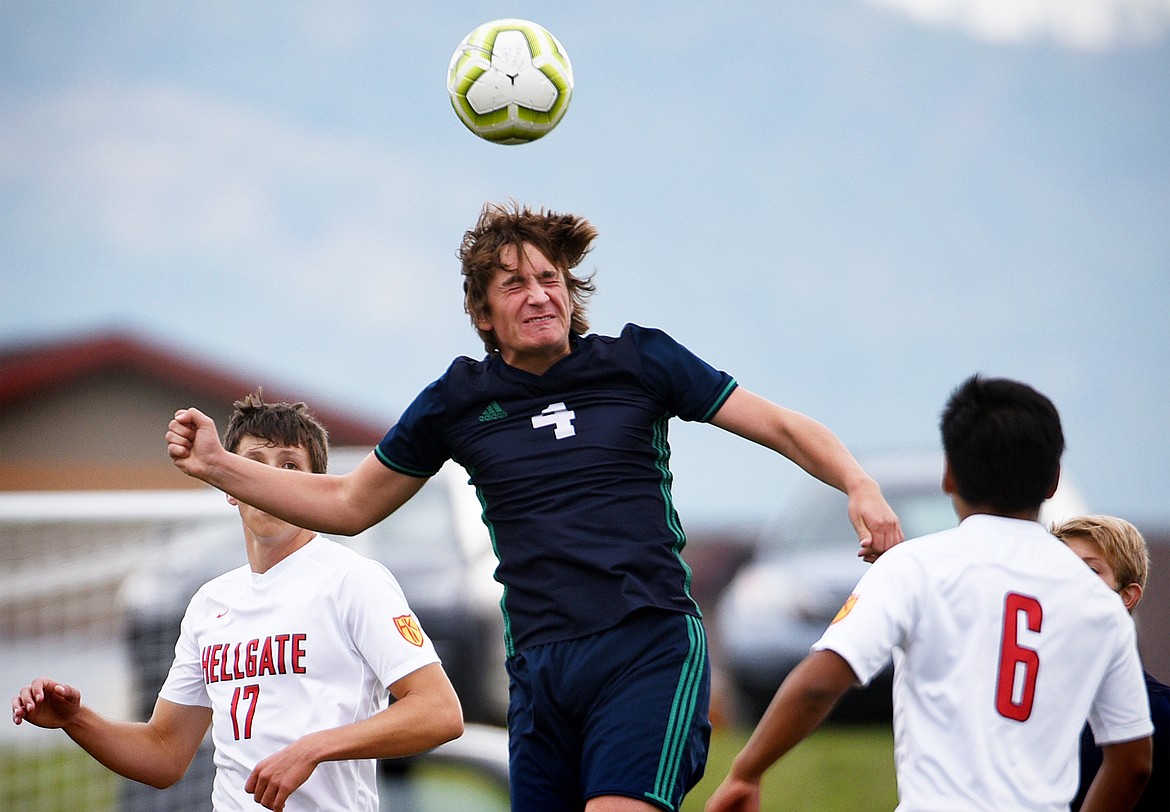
[564,239]
[1121,543]
[283,424]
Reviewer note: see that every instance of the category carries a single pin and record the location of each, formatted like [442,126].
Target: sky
[849,205]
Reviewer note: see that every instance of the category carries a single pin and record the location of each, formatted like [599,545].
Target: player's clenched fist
[46,703]
[192,441]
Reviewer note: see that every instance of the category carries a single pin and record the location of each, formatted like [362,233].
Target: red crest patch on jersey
[409,629]
[845,609]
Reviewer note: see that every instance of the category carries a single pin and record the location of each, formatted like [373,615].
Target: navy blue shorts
[621,712]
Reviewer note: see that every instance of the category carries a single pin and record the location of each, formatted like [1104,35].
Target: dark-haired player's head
[1003,444]
[281,424]
[502,231]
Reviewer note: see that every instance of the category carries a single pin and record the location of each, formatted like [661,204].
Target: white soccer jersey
[1003,642]
[310,644]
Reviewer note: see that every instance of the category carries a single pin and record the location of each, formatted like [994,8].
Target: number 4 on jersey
[1018,665]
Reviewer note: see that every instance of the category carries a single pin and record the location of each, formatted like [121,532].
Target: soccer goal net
[88,596]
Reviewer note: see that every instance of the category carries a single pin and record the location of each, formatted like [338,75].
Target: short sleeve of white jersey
[184,684]
[384,629]
[876,617]
[1115,716]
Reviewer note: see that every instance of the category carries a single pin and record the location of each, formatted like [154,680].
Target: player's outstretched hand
[192,442]
[278,776]
[46,703]
[734,795]
[877,526]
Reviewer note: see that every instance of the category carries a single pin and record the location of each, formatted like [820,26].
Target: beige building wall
[102,433]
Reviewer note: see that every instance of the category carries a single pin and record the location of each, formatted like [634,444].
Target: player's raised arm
[817,450]
[345,504]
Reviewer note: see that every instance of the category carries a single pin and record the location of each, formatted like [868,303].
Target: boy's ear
[948,480]
[1130,595]
[233,501]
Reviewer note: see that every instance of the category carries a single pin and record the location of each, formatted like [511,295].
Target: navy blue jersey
[572,468]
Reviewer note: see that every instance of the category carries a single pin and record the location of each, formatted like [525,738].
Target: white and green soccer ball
[510,81]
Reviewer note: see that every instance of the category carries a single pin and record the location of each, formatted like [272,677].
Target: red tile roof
[29,370]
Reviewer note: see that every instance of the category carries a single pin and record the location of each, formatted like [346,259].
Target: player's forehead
[265,450]
[530,260]
[1089,551]
[1083,544]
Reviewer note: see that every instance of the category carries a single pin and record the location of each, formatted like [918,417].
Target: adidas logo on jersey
[493,412]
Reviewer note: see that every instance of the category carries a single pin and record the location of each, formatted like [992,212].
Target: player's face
[258,525]
[1090,553]
[529,310]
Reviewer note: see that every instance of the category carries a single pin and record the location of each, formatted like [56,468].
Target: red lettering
[298,653]
[266,664]
[236,672]
[213,661]
[225,674]
[224,662]
[250,657]
[281,639]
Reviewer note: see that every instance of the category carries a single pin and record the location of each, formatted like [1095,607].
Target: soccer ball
[510,81]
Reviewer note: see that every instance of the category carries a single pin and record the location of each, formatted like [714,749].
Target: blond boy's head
[1113,548]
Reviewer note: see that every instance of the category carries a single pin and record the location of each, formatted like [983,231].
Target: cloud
[1089,25]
